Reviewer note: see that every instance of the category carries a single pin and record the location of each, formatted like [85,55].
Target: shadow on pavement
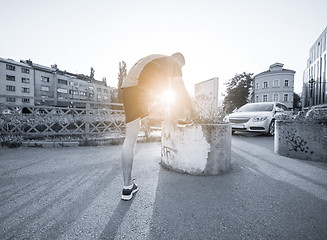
[250,134]
[235,205]
[116,220]
[55,198]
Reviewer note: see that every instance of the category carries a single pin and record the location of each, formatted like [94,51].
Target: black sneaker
[128,193]
[184,122]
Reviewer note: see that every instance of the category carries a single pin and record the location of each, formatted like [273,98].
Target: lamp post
[72,93]
[311,86]
[72,98]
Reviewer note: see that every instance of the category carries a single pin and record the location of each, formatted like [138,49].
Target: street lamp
[311,86]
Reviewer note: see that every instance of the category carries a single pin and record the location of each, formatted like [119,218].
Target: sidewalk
[74,193]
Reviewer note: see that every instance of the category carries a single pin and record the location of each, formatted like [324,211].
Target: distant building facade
[274,85]
[208,90]
[28,84]
[16,83]
[314,88]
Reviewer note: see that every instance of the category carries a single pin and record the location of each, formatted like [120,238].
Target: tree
[296,101]
[121,75]
[238,91]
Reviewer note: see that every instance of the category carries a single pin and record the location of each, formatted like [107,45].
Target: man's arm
[183,101]
[179,87]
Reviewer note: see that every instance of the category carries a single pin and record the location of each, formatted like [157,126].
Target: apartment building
[16,83]
[29,84]
[314,89]
[274,85]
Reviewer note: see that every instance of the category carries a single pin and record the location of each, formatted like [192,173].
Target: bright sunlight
[169,96]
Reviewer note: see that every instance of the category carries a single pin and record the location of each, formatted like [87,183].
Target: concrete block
[301,139]
[198,149]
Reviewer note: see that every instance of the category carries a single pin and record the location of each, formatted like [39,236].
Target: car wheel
[233,132]
[271,129]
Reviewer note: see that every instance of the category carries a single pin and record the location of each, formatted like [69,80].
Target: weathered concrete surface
[74,193]
[301,140]
[198,149]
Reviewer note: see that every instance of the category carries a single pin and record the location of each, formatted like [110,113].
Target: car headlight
[259,119]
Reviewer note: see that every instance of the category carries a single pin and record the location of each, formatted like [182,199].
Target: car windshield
[265,107]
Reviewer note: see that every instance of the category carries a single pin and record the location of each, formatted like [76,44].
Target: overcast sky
[218,38]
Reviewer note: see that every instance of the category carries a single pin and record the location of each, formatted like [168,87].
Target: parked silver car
[257,117]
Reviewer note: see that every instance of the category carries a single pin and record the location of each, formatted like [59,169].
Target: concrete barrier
[198,149]
[301,139]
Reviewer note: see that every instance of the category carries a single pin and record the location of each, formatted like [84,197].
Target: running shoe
[128,193]
[184,122]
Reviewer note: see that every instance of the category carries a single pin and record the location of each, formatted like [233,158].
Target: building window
[286,83]
[276,83]
[99,89]
[73,92]
[265,98]
[285,97]
[81,93]
[276,97]
[25,100]
[25,70]
[265,84]
[62,81]
[10,78]
[25,90]
[10,88]
[10,99]
[257,86]
[10,67]
[45,88]
[91,95]
[25,80]
[257,98]
[105,91]
[45,79]
[62,90]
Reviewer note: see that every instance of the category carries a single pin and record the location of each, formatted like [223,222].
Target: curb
[44,144]
[82,143]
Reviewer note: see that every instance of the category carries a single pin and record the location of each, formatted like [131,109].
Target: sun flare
[169,96]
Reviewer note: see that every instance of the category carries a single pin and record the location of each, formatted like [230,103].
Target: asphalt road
[258,139]
[74,193]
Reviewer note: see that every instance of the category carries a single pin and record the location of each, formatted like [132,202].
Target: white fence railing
[41,121]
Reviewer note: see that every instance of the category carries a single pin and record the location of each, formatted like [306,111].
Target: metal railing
[43,121]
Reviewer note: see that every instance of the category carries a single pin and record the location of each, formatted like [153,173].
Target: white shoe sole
[184,125]
[129,197]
